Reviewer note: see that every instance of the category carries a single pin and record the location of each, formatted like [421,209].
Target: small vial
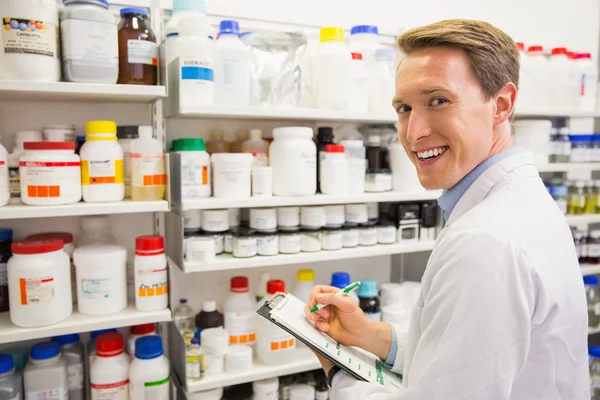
[194,361]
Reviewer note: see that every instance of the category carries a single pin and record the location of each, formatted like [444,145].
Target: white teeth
[436,152]
[431,153]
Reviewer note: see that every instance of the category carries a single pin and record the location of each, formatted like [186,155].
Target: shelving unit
[583,219]
[592,331]
[588,269]
[568,167]
[80,323]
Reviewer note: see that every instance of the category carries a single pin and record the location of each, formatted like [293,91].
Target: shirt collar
[450,197]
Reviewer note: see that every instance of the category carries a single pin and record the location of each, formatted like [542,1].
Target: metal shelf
[583,219]
[567,167]
[589,269]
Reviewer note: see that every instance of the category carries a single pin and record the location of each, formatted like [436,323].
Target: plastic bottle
[369,302]
[11,382]
[594,352]
[560,79]
[332,70]
[217,143]
[183,10]
[321,390]
[194,361]
[91,346]
[586,77]
[593,300]
[232,67]
[136,332]
[151,279]
[125,135]
[258,147]
[6,235]
[324,137]
[109,372]
[4,188]
[149,371]
[239,311]
[334,171]
[138,51]
[364,39]
[274,345]
[342,279]
[14,179]
[45,375]
[195,167]
[540,78]
[209,317]
[382,81]
[261,290]
[148,178]
[72,350]
[240,138]
[360,84]
[293,156]
[183,316]
[95,229]
[305,285]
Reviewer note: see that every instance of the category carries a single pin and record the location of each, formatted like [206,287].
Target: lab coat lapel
[486,181]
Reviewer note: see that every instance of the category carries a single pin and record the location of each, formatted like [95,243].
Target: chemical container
[209,317]
[334,171]
[6,235]
[149,370]
[561,81]
[91,346]
[195,167]
[217,143]
[46,374]
[382,82]
[11,381]
[148,178]
[324,137]
[274,345]
[369,302]
[125,135]
[136,332]
[95,229]
[364,39]
[540,78]
[586,77]
[305,285]
[73,352]
[138,51]
[359,84]
[231,174]
[232,67]
[183,316]
[151,278]
[182,12]
[258,147]
[239,310]
[332,70]
[293,157]
[59,133]
[109,372]
[4,184]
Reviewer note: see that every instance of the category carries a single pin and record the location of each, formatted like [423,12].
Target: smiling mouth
[431,153]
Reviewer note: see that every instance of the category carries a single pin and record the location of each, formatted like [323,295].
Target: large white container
[102,171]
[534,136]
[39,283]
[561,82]
[586,77]
[293,156]
[364,39]
[239,312]
[232,67]
[74,353]
[232,175]
[50,174]
[195,167]
[334,171]
[149,371]
[305,285]
[526,96]
[540,78]
[151,278]
[46,373]
[109,372]
[148,178]
[332,70]
[29,49]
[404,172]
[183,11]
[383,81]
[360,89]
[101,279]
[90,47]
[274,345]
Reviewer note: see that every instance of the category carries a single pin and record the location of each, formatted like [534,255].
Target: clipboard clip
[277,301]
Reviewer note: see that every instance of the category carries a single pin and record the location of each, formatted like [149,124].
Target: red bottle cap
[334,148]
[357,56]
[109,344]
[521,46]
[66,237]
[536,48]
[49,146]
[150,245]
[239,284]
[143,329]
[275,286]
[580,56]
[559,51]
[28,246]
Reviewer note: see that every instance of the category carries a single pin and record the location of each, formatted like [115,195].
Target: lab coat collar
[486,181]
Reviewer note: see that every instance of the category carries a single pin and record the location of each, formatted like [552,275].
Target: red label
[109,385]
[48,164]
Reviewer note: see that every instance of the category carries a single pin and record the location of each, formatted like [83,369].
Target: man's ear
[504,101]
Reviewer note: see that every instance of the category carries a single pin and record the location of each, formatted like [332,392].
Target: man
[502,310]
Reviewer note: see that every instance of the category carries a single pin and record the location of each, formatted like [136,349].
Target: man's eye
[438,101]
[403,109]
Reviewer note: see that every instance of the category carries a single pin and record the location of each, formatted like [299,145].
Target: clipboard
[287,312]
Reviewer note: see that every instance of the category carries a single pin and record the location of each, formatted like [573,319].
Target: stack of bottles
[575,197]
[63,368]
[594,353]
[587,246]
[593,300]
[93,275]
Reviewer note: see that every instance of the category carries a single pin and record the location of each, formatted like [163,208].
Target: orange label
[43,191]
[205,175]
[154,180]
[282,345]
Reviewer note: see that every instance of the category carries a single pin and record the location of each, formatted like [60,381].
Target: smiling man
[502,312]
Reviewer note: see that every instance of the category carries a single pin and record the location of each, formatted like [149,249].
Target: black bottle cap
[408,211]
[429,215]
[127,132]
[325,134]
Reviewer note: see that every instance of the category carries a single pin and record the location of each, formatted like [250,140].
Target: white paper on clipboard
[287,312]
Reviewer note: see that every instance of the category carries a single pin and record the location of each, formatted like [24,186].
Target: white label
[53,394]
[28,36]
[378,182]
[111,391]
[90,41]
[290,244]
[3,274]
[240,326]
[101,168]
[322,395]
[75,376]
[142,52]
[149,170]
[50,179]
[152,282]
[156,390]
[192,367]
[196,79]
[593,250]
[374,316]
[14,182]
[245,247]
[36,291]
[194,177]
[95,288]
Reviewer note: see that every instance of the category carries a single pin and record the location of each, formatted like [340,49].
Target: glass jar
[367,234]
[219,239]
[268,243]
[138,52]
[350,235]
[245,244]
[576,192]
[593,300]
[591,197]
[596,197]
[580,148]
[594,353]
[290,242]
[560,195]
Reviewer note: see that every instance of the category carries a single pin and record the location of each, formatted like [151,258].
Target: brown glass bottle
[5,253]
[138,52]
[209,317]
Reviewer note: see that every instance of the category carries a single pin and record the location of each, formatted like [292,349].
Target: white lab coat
[502,312]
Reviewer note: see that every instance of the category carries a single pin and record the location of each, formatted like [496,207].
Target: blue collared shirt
[447,202]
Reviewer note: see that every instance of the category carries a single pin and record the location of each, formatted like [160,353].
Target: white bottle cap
[215,341]
[145,132]
[213,365]
[200,249]
[374,140]
[255,134]
[238,358]
[209,306]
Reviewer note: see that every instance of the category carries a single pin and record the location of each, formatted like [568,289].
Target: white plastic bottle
[125,135]
[232,67]
[239,309]
[364,39]
[559,69]
[73,352]
[382,81]
[196,54]
[149,371]
[526,93]
[305,285]
[183,11]
[95,229]
[109,372]
[195,167]
[334,170]
[332,70]
[151,278]
[360,84]
[45,375]
[540,77]
[586,76]
[4,188]
[274,345]
[148,177]
[136,332]
[11,381]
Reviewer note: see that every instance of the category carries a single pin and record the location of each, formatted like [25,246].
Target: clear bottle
[148,178]
[125,135]
[232,67]
[258,147]
[194,361]
[183,316]
[576,204]
[240,138]
[359,84]
[368,300]
[594,353]
[45,375]
[11,382]
[274,345]
[364,39]
[593,300]
[72,350]
[95,229]
[217,143]
[305,285]
[240,312]
[382,81]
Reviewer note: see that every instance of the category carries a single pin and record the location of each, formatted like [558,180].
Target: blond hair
[493,55]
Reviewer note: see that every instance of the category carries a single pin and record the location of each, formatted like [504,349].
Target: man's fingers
[344,303]
[322,326]
[320,289]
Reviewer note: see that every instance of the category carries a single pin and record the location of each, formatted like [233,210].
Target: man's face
[444,121]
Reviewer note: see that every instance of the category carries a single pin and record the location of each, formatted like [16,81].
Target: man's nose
[418,127]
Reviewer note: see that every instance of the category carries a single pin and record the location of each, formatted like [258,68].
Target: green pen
[351,287]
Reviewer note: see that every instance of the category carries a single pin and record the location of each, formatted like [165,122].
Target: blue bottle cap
[19,355]
[590,280]
[134,10]
[368,289]
[384,54]
[372,29]
[95,334]
[340,279]
[6,363]
[229,27]
[64,340]
[579,138]
[80,139]
[44,350]
[148,347]
[6,234]
[550,190]
[594,351]
[560,190]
